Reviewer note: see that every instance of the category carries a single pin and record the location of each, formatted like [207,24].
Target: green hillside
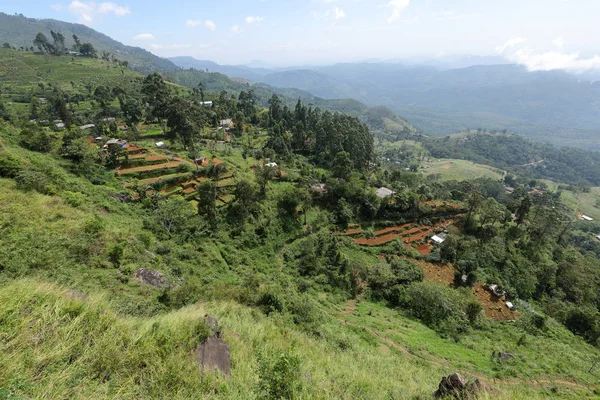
[273,223]
[20,31]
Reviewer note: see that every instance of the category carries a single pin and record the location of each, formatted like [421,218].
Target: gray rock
[455,386]
[213,353]
[451,385]
[152,278]
[213,325]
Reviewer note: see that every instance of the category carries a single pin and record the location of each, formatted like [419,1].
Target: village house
[586,218]
[439,238]
[384,192]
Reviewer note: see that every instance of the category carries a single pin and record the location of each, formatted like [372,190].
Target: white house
[439,238]
[271,165]
[586,218]
[86,127]
[161,145]
[510,306]
[384,192]
[206,103]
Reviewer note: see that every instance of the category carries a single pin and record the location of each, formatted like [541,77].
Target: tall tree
[207,202]
[157,95]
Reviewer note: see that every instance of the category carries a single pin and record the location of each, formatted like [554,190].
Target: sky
[540,34]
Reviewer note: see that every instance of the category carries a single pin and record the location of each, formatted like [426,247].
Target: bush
[439,307]
[10,166]
[36,139]
[279,376]
[32,179]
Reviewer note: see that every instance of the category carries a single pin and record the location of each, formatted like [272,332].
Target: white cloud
[535,60]
[193,22]
[559,42]
[87,12]
[236,29]
[57,7]
[553,60]
[210,25]
[251,20]
[338,13]
[512,42]
[397,7]
[144,36]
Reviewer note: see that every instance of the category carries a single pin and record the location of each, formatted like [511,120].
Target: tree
[41,42]
[207,202]
[263,175]
[88,50]
[174,215]
[275,110]
[6,46]
[132,112]
[157,95]
[342,165]
[245,199]
[104,96]
[181,120]
[4,114]
[77,45]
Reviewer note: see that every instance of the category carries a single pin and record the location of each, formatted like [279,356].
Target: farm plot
[409,236]
[349,232]
[494,307]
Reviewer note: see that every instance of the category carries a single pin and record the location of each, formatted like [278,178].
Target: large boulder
[152,278]
[455,386]
[213,353]
[451,385]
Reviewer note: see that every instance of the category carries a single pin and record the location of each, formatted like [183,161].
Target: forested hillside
[19,32]
[562,164]
[330,275]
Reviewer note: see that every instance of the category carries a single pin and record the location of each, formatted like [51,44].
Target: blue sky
[542,34]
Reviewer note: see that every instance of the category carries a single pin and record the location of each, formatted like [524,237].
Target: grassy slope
[20,31]
[56,346]
[61,347]
[451,169]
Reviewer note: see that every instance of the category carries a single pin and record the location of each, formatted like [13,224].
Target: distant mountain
[554,106]
[233,71]
[20,31]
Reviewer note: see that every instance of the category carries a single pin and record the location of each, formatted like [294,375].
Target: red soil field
[166,166]
[493,306]
[424,249]
[349,232]
[392,229]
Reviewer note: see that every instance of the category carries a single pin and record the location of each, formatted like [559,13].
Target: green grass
[460,170]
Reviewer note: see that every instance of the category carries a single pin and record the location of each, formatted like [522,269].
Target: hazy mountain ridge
[556,106]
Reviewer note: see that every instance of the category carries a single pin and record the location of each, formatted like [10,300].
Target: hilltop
[19,31]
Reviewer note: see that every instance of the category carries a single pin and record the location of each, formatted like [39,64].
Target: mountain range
[440,98]
[554,106]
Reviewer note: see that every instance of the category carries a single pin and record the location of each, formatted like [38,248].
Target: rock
[504,356]
[213,325]
[451,385]
[152,278]
[478,387]
[213,353]
[457,387]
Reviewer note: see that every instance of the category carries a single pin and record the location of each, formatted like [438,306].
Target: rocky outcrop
[455,386]
[213,353]
[152,278]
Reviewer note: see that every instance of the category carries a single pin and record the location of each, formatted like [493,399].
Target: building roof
[439,238]
[113,141]
[384,192]
[226,122]
[88,126]
[586,218]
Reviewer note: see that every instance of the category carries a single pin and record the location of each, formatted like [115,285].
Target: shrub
[32,179]
[439,307]
[279,376]
[10,166]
